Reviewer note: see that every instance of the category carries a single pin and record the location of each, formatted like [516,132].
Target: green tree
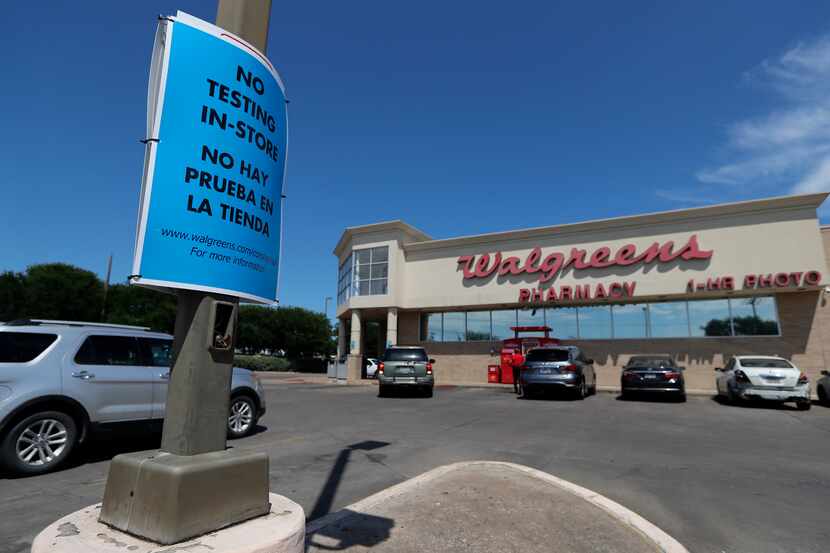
[12,296]
[62,291]
[296,330]
[136,305]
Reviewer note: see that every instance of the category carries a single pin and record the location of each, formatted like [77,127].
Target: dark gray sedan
[653,374]
[557,368]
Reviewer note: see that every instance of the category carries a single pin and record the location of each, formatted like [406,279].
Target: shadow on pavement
[326,498]
[653,397]
[355,529]
[371,531]
[757,404]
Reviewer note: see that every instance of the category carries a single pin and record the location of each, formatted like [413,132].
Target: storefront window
[434,328]
[344,281]
[454,327]
[530,317]
[372,270]
[709,318]
[502,321]
[563,322]
[478,326]
[595,322]
[754,316]
[668,320]
[630,320]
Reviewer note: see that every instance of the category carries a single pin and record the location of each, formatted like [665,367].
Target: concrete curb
[626,516]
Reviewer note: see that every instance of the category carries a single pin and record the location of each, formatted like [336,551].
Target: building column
[392,327]
[341,338]
[355,360]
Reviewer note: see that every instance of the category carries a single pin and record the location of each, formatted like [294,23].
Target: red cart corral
[514,349]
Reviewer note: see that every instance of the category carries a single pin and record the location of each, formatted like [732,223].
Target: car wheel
[242,417]
[822,396]
[39,443]
[428,392]
[803,405]
[582,391]
[382,391]
[682,397]
[731,398]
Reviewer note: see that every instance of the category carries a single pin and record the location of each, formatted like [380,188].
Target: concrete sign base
[282,530]
[170,498]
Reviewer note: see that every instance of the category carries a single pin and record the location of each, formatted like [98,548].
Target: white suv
[61,381]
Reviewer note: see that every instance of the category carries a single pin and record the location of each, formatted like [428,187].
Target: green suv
[405,367]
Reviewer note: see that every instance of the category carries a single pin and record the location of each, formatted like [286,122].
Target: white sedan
[763,377]
[371,367]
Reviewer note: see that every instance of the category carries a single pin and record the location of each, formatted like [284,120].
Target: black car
[657,374]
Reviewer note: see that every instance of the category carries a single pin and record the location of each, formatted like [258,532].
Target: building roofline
[778,203]
[416,234]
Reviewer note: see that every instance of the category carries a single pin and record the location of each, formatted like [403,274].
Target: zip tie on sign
[146,140]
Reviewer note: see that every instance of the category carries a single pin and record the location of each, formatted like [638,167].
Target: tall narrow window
[344,281]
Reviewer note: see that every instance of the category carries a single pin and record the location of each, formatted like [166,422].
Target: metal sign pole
[194,485]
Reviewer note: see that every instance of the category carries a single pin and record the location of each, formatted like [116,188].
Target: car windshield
[547,355]
[651,362]
[414,354]
[22,347]
[765,364]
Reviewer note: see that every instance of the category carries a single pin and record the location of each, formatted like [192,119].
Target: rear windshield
[765,364]
[21,347]
[542,355]
[651,362]
[405,355]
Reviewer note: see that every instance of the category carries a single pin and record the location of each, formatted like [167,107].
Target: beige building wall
[759,237]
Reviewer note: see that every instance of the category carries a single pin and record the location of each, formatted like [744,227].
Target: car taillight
[740,376]
[429,368]
[802,379]
[629,375]
[569,368]
[380,367]
[672,374]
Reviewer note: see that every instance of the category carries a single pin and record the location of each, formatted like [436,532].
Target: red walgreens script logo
[556,262]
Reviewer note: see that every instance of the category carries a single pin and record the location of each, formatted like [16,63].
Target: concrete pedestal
[282,530]
[171,498]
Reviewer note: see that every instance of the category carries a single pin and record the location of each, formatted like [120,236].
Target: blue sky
[457,117]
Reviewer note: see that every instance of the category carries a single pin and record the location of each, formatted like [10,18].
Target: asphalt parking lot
[718,478]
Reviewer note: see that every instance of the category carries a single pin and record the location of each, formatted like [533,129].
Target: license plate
[650,377]
[544,371]
[405,370]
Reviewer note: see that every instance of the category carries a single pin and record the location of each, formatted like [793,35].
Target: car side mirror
[432,361]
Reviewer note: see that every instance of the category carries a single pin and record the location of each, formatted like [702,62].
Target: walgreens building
[699,284]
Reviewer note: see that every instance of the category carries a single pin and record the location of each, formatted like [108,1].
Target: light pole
[326,308]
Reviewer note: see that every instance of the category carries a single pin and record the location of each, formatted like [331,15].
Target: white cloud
[787,150]
[816,181]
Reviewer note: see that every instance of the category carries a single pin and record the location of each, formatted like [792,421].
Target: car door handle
[84,375]
[165,376]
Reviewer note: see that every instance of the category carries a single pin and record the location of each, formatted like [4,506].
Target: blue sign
[210,213]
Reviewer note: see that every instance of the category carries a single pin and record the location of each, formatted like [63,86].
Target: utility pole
[106,290]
